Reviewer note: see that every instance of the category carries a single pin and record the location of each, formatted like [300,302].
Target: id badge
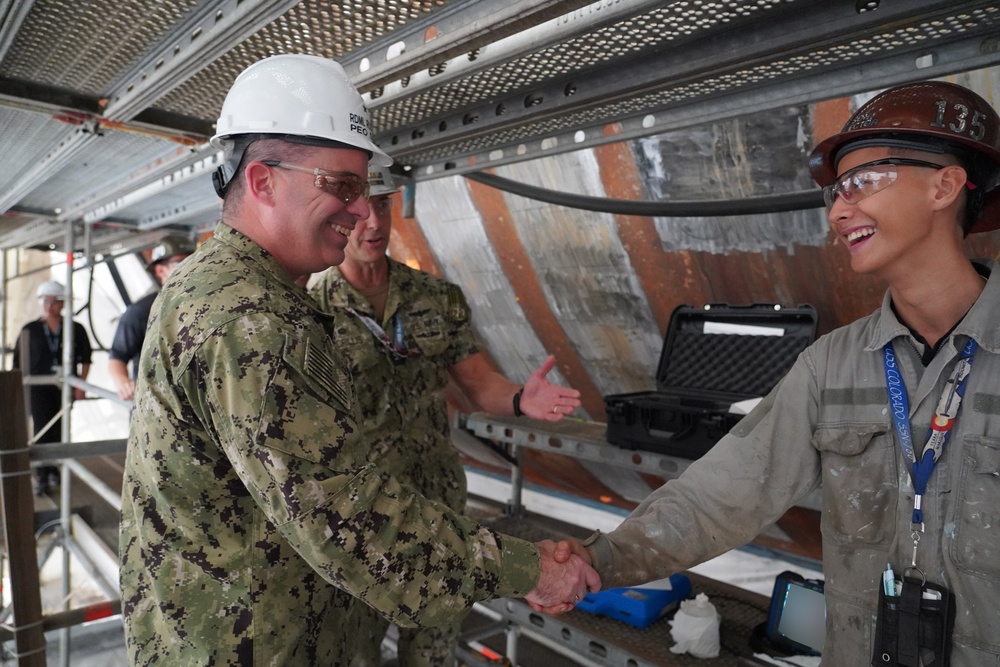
[914,625]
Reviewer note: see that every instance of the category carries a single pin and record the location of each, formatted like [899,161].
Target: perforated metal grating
[86,46]
[36,134]
[981,20]
[677,22]
[110,154]
[314,27]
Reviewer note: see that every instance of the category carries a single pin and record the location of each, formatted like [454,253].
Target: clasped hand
[562,583]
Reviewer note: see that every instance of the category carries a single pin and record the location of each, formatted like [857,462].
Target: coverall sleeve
[722,501]
[283,416]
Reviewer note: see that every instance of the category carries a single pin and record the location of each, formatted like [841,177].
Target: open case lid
[732,352]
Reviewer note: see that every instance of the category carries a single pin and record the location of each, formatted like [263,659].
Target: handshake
[566,576]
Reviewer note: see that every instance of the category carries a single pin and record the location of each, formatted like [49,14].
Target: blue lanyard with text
[940,431]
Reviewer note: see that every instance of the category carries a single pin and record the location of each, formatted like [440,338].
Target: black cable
[795,201]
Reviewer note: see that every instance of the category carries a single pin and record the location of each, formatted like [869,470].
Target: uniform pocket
[429,334]
[860,486]
[977,512]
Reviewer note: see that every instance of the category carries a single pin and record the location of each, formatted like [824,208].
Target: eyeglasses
[381,205]
[345,186]
[868,178]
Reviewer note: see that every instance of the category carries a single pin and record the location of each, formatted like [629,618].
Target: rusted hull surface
[597,289]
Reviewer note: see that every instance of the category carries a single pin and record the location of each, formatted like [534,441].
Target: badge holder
[914,626]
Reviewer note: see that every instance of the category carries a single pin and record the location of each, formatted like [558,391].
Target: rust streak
[407,243]
[829,117]
[666,284]
[516,267]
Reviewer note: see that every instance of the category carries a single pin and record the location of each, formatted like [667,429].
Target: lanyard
[396,346]
[940,431]
[54,341]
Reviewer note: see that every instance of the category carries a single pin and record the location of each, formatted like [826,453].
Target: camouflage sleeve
[282,412]
[320,291]
[462,341]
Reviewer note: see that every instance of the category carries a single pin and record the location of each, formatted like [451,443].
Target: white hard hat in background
[381,181]
[298,98]
[52,288]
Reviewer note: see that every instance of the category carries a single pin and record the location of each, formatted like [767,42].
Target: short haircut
[262,149]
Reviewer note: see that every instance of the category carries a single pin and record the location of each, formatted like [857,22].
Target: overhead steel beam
[161,175]
[851,79]
[196,213]
[726,61]
[38,233]
[12,15]
[578,22]
[446,33]
[74,140]
[212,30]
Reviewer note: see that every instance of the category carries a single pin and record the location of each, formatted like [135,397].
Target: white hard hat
[52,288]
[296,97]
[381,182]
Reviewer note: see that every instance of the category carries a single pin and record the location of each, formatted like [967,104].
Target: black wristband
[517,402]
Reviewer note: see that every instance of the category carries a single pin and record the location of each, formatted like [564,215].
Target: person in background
[250,512]
[405,333]
[895,415]
[131,331]
[45,357]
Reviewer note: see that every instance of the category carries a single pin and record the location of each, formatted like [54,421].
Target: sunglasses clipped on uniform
[345,186]
[870,177]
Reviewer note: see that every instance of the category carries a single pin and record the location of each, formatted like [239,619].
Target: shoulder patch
[324,370]
[458,308]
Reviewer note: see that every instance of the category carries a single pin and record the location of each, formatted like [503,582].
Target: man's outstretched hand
[543,400]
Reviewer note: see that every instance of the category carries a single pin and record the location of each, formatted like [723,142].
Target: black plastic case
[701,374]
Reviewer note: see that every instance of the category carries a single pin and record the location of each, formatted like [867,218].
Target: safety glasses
[868,178]
[344,186]
[380,205]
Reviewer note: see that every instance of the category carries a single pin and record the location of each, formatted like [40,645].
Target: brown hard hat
[927,115]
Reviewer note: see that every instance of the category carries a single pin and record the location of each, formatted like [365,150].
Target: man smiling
[250,513]
[895,414]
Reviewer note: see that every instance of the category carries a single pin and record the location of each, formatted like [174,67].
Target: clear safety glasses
[345,186]
[868,178]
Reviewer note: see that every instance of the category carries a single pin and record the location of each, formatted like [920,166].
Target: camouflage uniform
[405,417]
[249,508]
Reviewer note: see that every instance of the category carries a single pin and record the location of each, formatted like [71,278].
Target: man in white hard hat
[45,357]
[250,512]
[131,332]
[405,334]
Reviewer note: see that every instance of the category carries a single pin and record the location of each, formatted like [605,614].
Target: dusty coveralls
[249,508]
[828,422]
[404,414]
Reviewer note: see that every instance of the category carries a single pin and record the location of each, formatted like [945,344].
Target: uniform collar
[982,322]
[343,295]
[252,252]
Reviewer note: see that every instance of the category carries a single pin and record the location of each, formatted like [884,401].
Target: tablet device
[797,617]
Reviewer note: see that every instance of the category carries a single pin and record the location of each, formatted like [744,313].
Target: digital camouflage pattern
[404,413]
[249,508]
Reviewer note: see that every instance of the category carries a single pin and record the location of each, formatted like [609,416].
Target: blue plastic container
[638,606]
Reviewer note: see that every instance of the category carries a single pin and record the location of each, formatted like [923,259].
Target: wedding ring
[576,599]
[554,408]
